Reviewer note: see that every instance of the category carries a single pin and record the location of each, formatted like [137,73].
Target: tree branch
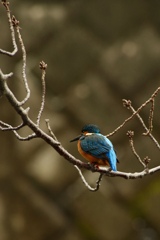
[50,138]
[130,134]
[15,48]
[96,188]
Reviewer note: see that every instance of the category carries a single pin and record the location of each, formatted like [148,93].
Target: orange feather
[91,158]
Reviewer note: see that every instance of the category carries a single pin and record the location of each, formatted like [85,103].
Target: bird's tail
[112,160]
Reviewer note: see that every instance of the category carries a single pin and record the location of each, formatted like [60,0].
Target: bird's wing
[96,145]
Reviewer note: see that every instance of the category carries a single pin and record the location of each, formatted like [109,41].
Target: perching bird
[96,148]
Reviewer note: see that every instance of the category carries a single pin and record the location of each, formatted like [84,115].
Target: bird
[96,148]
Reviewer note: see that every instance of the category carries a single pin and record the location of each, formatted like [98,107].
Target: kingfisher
[96,148]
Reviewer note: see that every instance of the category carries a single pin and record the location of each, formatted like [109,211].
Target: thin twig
[43,67]
[15,48]
[50,130]
[4,89]
[6,127]
[5,76]
[150,119]
[127,104]
[130,134]
[15,23]
[96,188]
[145,127]
[28,138]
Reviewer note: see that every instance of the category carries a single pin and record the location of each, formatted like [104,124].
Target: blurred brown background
[98,52]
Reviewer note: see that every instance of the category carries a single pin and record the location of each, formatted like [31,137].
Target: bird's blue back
[100,147]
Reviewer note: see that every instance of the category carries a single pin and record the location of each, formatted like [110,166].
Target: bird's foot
[93,166]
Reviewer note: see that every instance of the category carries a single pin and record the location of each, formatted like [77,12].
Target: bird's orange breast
[91,158]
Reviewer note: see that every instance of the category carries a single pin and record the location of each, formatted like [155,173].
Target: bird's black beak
[76,138]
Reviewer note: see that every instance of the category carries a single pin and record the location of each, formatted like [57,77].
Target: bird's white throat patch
[88,134]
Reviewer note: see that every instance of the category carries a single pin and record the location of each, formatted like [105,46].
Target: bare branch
[4,89]
[15,48]
[16,25]
[50,130]
[147,130]
[150,120]
[29,137]
[136,174]
[127,104]
[5,76]
[50,138]
[130,134]
[96,188]
[124,175]
[43,67]
[6,127]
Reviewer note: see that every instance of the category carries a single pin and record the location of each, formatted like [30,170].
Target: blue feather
[100,147]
